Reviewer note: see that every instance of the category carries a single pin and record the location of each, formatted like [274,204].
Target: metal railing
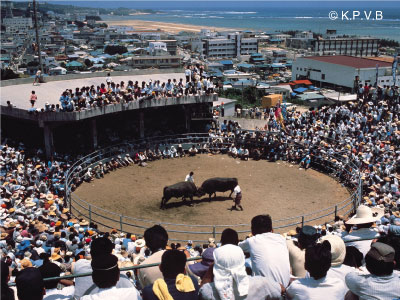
[179,232]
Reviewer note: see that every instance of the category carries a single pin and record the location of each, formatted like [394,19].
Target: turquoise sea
[269,16]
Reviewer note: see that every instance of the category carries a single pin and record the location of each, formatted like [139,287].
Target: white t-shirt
[362,233]
[82,284]
[310,289]
[64,294]
[189,178]
[114,293]
[269,256]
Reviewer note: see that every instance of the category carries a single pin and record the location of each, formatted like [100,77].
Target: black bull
[181,189]
[188,189]
[218,184]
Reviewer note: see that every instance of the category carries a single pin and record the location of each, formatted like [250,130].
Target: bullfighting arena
[279,189]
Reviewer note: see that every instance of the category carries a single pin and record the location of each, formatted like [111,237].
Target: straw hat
[140,243]
[29,203]
[4,235]
[65,210]
[84,223]
[55,256]
[365,215]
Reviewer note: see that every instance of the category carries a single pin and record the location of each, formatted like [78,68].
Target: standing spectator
[33,98]
[382,283]
[30,284]
[108,79]
[230,280]
[188,73]
[268,251]
[189,177]
[156,239]
[318,286]
[174,284]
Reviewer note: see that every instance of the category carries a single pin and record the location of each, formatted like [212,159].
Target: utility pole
[37,39]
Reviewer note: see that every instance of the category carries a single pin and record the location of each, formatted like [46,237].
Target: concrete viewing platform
[51,91]
[185,109]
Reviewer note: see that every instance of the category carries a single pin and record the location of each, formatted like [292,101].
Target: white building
[17,24]
[227,46]
[342,70]
[158,48]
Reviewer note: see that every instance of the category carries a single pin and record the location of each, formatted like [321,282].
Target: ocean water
[269,16]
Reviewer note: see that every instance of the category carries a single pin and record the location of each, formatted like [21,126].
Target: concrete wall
[109,109]
[92,75]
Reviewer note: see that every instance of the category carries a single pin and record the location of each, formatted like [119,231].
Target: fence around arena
[106,219]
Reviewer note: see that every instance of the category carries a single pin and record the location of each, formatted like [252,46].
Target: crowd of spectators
[87,97]
[350,258]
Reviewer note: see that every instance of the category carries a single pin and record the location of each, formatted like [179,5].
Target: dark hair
[47,270]
[261,224]
[318,260]
[378,268]
[393,241]
[101,246]
[6,291]
[229,236]
[173,262]
[191,173]
[353,257]
[105,271]
[30,284]
[156,238]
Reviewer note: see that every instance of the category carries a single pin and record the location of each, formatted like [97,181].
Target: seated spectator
[230,280]
[338,252]
[30,284]
[105,276]
[49,269]
[193,151]
[6,292]
[381,283]
[156,239]
[207,259]
[307,237]
[99,247]
[174,284]
[229,236]
[364,220]
[318,286]
[268,251]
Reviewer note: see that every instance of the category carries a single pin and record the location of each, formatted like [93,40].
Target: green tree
[88,62]
[115,49]
[8,74]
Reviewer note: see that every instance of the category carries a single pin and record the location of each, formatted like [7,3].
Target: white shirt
[236,190]
[368,287]
[114,293]
[362,233]
[310,289]
[64,294]
[269,256]
[189,178]
[82,284]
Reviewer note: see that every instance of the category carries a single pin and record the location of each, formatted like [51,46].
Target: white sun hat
[365,214]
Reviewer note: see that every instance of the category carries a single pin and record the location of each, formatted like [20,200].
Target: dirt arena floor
[279,189]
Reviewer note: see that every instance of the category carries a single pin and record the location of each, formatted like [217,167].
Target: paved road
[50,92]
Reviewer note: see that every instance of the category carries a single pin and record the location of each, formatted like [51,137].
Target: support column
[141,124]
[93,133]
[48,140]
[188,119]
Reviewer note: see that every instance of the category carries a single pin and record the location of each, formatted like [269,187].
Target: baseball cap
[381,252]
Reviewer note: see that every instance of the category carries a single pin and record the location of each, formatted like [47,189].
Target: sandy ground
[278,189]
[139,25]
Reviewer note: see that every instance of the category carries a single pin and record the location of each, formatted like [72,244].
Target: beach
[139,25]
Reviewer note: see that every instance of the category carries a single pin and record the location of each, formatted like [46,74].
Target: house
[227,64]
[57,71]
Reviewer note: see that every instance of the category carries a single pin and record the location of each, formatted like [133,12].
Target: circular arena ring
[336,165]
